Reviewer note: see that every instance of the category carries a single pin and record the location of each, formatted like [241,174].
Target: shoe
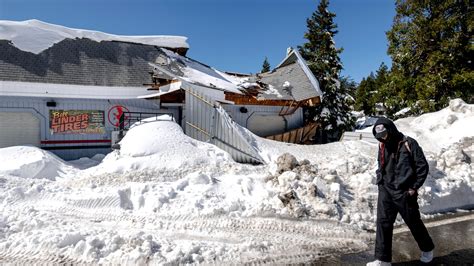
[426,256]
[378,263]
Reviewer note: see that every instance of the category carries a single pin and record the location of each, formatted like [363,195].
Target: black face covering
[381,133]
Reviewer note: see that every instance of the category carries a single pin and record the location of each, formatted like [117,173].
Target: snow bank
[32,162]
[36,36]
[85,162]
[438,130]
[159,145]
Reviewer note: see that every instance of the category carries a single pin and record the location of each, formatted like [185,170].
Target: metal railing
[127,119]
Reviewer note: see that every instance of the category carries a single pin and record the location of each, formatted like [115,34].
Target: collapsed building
[74,94]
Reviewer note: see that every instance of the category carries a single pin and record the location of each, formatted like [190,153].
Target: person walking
[402,170]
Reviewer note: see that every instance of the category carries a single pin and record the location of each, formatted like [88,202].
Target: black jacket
[400,167]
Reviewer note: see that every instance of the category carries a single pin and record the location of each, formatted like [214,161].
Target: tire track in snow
[38,257]
[299,241]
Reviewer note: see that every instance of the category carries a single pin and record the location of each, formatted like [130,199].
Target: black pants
[390,202]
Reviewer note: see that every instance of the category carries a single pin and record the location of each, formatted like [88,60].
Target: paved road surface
[453,237]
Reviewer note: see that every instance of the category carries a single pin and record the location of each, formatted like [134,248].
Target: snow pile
[159,145]
[438,130]
[32,162]
[85,162]
[36,36]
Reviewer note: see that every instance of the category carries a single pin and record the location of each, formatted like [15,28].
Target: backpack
[381,149]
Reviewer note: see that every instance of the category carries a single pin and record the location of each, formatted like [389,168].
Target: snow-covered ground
[167,198]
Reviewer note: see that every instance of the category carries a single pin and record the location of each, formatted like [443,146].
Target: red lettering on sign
[68,127]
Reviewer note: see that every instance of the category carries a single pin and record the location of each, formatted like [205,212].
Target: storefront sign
[76,122]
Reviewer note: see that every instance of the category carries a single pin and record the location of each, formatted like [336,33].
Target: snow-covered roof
[163,90]
[36,36]
[186,69]
[80,62]
[290,81]
[31,89]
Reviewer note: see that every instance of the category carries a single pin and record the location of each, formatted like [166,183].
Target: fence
[303,135]
[206,120]
[365,136]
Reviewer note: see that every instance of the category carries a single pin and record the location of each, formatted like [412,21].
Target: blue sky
[230,35]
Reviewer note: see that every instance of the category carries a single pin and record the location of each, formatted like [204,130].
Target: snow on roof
[36,36]
[194,72]
[32,89]
[163,90]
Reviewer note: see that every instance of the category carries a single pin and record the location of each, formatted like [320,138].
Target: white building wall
[73,146]
[292,121]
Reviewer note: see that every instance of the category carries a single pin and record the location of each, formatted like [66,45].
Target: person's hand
[411,192]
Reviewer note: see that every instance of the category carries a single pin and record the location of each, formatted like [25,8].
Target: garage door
[19,128]
[265,125]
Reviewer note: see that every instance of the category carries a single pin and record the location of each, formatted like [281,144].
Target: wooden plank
[278,137]
[310,131]
[292,138]
[251,100]
[299,135]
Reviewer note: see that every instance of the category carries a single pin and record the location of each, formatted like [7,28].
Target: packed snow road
[83,223]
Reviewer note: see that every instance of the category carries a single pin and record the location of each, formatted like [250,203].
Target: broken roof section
[290,80]
[170,65]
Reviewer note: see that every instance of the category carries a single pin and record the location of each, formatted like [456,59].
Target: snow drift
[32,162]
[160,145]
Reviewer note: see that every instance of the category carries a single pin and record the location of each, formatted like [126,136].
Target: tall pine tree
[265,66]
[365,100]
[430,44]
[322,56]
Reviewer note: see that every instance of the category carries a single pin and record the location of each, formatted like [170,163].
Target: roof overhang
[170,88]
[53,90]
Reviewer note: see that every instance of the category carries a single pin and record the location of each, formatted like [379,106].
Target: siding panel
[224,132]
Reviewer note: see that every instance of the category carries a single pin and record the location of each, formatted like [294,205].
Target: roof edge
[308,73]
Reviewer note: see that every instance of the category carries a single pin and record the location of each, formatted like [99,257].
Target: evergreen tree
[349,85]
[265,66]
[374,89]
[381,93]
[365,96]
[322,57]
[430,44]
